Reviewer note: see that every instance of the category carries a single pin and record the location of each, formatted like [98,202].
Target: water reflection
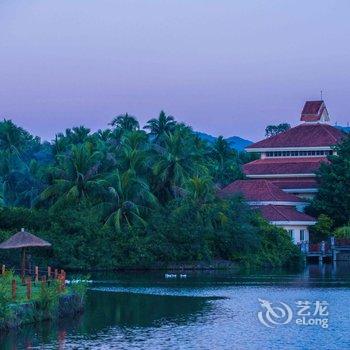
[138,310]
[144,310]
[104,310]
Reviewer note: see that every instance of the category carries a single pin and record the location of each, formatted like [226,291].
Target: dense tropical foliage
[331,204]
[127,196]
[333,197]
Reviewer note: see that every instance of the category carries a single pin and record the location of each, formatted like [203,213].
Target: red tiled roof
[312,107]
[311,118]
[295,183]
[303,135]
[312,111]
[283,213]
[283,166]
[258,190]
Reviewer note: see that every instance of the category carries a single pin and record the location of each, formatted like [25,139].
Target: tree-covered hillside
[126,196]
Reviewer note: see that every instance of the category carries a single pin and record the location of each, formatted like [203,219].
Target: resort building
[283,180]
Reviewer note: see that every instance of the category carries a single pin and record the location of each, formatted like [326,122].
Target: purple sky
[223,66]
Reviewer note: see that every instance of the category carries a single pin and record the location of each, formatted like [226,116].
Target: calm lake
[205,310]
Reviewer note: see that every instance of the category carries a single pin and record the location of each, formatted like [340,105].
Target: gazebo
[23,240]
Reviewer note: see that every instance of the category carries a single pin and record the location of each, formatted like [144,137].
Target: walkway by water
[212,310]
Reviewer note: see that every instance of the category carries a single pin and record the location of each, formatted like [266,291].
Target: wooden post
[59,283]
[49,271]
[43,282]
[56,273]
[63,274]
[61,339]
[3,269]
[29,288]
[23,270]
[14,287]
[36,274]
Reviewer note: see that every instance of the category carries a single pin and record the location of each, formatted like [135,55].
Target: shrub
[342,232]
[80,286]
[322,230]
[47,302]
[5,295]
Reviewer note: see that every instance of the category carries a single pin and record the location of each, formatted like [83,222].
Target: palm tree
[104,135]
[11,171]
[133,152]
[59,144]
[12,138]
[158,127]
[125,122]
[75,136]
[176,162]
[127,200]
[200,190]
[17,142]
[20,183]
[79,134]
[226,167]
[76,177]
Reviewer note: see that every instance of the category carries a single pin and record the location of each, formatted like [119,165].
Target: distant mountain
[206,137]
[238,143]
[235,142]
[344,128]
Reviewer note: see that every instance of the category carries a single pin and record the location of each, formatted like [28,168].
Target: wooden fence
[41,277]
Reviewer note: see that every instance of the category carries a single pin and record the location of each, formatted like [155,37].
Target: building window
[298,153]
[302,235]
[290,232]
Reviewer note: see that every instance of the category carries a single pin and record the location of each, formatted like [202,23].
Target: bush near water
[46,302]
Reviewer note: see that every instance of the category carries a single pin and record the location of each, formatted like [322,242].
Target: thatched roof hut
[23,239]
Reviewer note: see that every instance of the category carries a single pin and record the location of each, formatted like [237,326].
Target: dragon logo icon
[274,315]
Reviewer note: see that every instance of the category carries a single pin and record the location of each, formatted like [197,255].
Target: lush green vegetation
[5,296]
[342,232]
[44,302]
[126,197]
[332,202]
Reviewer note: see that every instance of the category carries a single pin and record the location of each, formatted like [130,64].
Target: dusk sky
[223,66]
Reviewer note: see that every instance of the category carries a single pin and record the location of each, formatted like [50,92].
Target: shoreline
[68,305]
[219,266]
[196,266]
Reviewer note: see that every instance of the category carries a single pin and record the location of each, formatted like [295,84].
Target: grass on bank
[21,289]
[44,300]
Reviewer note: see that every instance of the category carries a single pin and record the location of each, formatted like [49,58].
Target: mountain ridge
[236,142]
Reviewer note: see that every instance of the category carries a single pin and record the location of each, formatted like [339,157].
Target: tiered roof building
[281,183]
